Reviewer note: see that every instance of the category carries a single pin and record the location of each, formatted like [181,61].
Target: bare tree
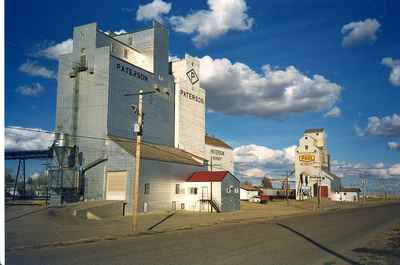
[266,183]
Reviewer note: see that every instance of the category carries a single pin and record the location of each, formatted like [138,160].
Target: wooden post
[136,181]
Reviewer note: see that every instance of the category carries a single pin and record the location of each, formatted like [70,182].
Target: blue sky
[305,35]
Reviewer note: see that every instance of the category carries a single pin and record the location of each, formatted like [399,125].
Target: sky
[270,69]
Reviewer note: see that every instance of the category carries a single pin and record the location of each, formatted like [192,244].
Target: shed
[248,191]
[347,194]
[212,191]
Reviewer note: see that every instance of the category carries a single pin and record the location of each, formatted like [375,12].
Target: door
[324,191]
[116,185]
[204,193]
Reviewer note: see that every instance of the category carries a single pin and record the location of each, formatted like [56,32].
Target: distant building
[347,194]
[312,166]
[248,191]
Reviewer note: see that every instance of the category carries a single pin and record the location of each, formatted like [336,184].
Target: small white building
[248,191]
[347,195]
[212,191]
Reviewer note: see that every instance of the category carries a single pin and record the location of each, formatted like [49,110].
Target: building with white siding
[248,191]
[94,113]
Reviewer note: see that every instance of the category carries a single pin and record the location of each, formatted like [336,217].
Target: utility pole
[136,181]
[138,129]
[211,169]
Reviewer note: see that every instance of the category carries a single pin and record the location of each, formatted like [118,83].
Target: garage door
[116,185]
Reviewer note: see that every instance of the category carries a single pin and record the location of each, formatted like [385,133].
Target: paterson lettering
[131,72]
[192,97]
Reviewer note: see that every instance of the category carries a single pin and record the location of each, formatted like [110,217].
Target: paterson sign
[192,97]
[132,72]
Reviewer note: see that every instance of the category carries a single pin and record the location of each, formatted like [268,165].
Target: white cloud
[386,126]
[16,138]
[253,173]
[33,90]
[272,93]
[360,32]
[335,112]
[262,155]
[118,32]
[222,16]
[154,10]
[35,175]
[394,146]
[33,69]
[54,51]
[394,65]
[378,169]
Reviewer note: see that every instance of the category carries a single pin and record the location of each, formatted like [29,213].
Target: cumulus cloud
[17,138]
[253,173]
[154,10]
[394,65]
[33,69]
[394,146]
[33,90]
[221,17]
[274,92]
[378,169]
[118,32]
[262,155]
[53,51]
[255,161]
[386,126]
[360,32]
[335,112]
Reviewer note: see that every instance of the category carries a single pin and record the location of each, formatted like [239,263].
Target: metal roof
[159,152]
[249,187]
[314,130]
[350,190]
[216,142]
[206,176]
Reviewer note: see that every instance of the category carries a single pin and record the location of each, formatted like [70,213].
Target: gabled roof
[207,176]
[350,190]
[216,142]
[159,152]
[249,187]
[314,130]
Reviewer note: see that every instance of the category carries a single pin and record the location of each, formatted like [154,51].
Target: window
[147,188]
[193,191]
[306,147]
[306,137]
[177,189]
[130,40]
[317,134]
[125,53]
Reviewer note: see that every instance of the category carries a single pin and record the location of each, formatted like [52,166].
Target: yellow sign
[307,158]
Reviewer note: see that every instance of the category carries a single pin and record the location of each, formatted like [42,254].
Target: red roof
[206,176]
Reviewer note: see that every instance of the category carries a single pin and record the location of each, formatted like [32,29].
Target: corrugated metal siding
[230,201]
